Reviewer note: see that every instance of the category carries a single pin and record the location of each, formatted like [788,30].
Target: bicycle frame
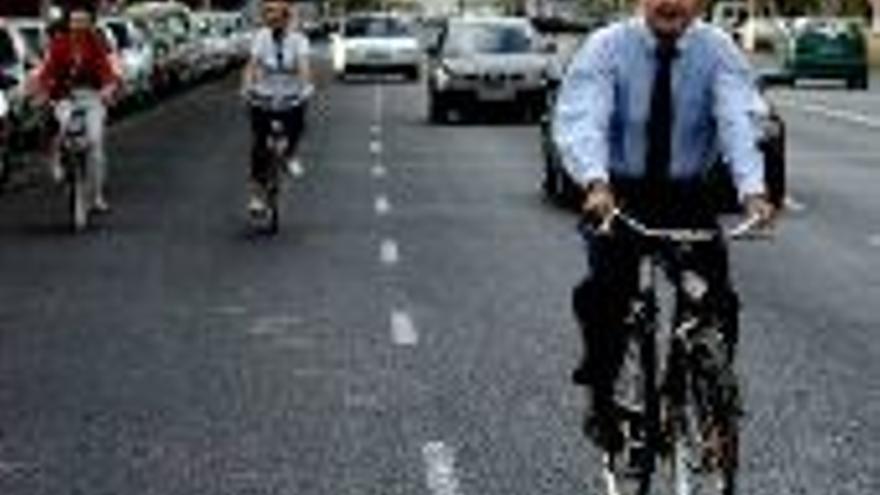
[276,145]
[685,373]
[74,148]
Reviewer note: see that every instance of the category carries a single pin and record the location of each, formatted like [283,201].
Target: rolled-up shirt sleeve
[582,116]
[735,93]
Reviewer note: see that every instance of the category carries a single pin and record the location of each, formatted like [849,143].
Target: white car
[376,43]
[134,56]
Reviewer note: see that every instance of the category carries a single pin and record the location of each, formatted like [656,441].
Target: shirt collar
[650,41]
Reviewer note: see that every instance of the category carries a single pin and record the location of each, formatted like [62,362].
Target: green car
[827,49]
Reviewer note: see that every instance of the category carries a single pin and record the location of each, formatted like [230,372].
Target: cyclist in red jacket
[78,66]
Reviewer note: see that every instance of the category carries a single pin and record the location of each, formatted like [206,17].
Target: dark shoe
[581,374]
[605,432]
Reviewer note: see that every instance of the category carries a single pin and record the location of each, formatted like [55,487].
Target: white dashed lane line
[403,330]
[389,252]
[382,205]
[379,171]
[874,241]
[440,469]
[793,205]
[375,146]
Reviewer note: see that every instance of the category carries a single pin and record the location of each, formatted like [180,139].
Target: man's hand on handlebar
[759,208]
[600,203]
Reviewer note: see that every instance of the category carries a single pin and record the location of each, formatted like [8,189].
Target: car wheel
[858,82]
[412,73]
[549,183]
[438,112]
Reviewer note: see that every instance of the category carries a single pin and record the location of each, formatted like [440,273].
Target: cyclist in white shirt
[278,66]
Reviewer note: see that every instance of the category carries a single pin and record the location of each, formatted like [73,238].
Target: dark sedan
[560,188]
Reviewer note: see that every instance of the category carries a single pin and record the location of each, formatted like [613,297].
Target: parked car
[827,49]
[6,82]
[376,43]
[32,32]
[487,60]
[217,32]
[170,30]
[729,15]
[17,64]
[559,187]
[135,56]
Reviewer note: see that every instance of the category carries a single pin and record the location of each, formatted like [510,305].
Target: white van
[729,15]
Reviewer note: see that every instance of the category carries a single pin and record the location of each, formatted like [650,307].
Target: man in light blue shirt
[646,106]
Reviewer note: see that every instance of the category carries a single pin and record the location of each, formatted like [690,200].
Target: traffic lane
[810,316]
[488,271]
[832,170]
[169,350]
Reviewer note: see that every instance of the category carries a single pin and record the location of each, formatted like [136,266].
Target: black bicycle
[276,145]
[75,150]
[677,398]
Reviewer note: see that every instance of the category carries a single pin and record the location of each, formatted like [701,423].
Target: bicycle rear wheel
[77,191]
[273,189]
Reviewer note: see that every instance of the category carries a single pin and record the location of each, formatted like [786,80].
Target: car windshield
[7,49]
[120,34]
[33,39]
[376,27]
[488,39]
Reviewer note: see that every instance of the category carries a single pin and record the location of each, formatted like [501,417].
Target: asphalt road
[408,331]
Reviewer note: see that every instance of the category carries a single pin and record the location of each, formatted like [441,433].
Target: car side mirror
[550,47]
[766,80]
[433,50]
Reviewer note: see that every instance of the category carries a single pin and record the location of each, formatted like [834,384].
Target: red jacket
[76,63]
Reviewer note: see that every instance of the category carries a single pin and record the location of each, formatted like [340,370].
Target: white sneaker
[56,171]
[100,205]
[256,205]
[295,168]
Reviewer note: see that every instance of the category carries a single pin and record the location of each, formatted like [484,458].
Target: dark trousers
[602,301]
[261,120]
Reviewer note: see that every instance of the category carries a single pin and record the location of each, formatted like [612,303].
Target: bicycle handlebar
[747,229]
[255,98]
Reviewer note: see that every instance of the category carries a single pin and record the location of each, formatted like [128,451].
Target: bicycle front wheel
[705,450]
[79,208]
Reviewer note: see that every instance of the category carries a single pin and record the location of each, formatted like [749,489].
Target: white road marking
[793,205]
[389,253]
[382,205]
[403,331]
[379,102]
[379,171]
[440,469]
[375,146]
[874,241]
[832,113]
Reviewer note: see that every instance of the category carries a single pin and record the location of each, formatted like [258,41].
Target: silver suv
[487,61]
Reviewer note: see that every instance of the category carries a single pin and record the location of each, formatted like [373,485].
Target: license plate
[496,94]
[378,56]
[830,51]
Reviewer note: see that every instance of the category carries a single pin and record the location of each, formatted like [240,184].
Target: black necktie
[660,119]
